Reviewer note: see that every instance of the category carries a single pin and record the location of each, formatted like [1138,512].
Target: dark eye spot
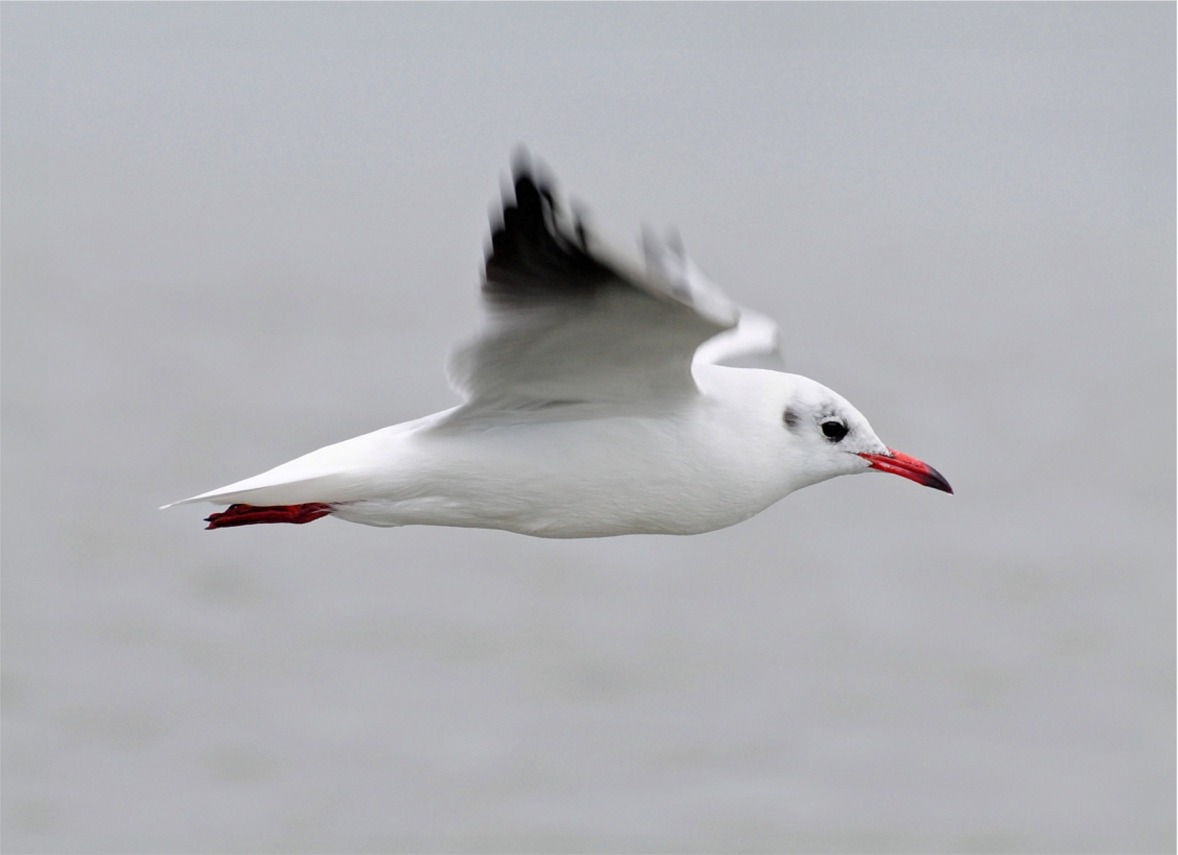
[834,430]
[790,418]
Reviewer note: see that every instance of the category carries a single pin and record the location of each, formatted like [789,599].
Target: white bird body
[561,472]
[595,408]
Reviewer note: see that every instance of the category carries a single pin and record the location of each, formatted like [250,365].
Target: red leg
[255,514]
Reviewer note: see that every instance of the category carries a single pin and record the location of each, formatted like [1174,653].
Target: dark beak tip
[937,481]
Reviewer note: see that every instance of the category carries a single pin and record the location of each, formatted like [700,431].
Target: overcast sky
[233,233]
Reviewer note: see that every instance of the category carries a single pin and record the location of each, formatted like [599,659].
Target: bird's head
[829,437]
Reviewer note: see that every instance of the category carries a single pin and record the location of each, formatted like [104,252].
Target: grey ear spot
[790,418]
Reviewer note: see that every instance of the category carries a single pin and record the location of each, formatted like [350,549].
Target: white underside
[571,471]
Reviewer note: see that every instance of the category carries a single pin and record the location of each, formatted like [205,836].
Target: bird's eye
[834,430]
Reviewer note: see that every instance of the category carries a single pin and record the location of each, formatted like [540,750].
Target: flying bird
[605,395]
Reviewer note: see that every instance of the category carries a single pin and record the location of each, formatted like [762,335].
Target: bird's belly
[541,494]
[568,518]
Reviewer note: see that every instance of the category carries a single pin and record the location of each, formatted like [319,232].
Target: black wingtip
[528,203]
[531,177]
[524,175]
[533,247]
[529,198]
[521,161]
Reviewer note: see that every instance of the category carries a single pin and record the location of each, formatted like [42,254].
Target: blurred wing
[753,343]
[572,321]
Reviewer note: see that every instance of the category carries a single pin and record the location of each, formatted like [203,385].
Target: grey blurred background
[234,233]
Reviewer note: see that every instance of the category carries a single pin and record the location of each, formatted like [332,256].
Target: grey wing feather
[753,343]
[574,321]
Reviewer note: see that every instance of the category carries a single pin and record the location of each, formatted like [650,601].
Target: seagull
[605,395]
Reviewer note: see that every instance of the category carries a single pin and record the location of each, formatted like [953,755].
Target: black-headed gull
[603,397]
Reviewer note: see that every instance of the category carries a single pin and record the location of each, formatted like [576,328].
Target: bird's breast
[578,478]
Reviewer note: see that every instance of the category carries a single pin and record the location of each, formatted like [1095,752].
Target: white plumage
[603,397]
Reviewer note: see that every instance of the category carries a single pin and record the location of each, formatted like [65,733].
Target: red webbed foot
[256,514]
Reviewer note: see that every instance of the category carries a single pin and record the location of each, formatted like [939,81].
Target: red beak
[901,464]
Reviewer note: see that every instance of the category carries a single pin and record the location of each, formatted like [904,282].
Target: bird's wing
[753,343]
[572,321]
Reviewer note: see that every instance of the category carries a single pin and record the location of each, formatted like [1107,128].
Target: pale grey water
[232,234]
